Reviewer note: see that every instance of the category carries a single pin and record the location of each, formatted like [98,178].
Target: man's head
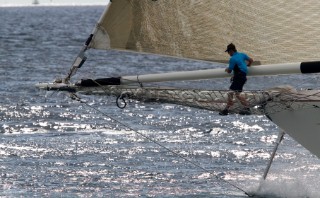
[231,48]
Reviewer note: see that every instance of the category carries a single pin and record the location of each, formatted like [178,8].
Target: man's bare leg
[242,100]
[245,103]
[230,100]
[229,104]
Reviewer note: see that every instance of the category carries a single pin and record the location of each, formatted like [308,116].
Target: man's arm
[231,66]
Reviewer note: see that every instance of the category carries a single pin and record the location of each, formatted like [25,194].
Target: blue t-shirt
[239,59]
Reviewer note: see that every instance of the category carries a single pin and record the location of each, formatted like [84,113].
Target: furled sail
[269,31]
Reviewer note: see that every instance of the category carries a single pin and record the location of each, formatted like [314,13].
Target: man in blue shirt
[238,63]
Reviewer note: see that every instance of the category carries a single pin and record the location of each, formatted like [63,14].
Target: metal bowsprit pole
[280,138]
[79,61]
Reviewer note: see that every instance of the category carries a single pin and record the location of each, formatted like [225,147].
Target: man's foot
[224,112]
[245,111]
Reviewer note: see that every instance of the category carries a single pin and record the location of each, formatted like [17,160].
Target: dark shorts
[238,82]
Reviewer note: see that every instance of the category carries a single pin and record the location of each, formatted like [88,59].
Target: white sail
[271,32]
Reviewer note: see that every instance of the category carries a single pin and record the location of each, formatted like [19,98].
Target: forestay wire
[278,99]
[75,97]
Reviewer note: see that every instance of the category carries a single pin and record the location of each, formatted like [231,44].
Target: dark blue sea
[53,146]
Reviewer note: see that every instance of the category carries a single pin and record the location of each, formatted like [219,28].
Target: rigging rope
[75,97]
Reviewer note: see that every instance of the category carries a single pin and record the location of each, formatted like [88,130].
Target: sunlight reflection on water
[51,146]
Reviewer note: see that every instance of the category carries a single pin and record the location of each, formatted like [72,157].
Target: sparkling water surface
[53,146]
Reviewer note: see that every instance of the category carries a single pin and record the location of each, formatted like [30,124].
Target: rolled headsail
[261,70]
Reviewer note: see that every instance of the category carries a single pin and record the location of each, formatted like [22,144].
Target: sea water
[53,146]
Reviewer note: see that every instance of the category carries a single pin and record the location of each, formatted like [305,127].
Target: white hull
[301,120]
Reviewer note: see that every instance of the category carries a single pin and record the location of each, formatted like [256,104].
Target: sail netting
[292,110]
[282,98]
[269,31]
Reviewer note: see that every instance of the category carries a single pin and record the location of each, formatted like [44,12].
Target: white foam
[294,188]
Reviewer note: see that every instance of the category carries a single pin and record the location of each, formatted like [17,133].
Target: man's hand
[250,61]
[228,70]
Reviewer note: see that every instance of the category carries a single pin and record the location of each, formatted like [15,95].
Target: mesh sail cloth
[268,31]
